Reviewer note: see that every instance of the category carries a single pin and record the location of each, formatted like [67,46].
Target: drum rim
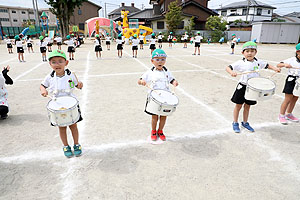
[160,103]
[260,90]
[66,124]
[50,109]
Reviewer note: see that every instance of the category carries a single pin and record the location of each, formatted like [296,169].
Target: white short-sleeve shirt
[294,62]
[234,41]
[60,86]
[141,37]
[97,43]
[3,91]
[158,79]
[135,42]
[160,37]
[70,42]
[118,41]
[8,41]
[198,38]
[19,44]
[152,41]
[170,37]
[107,38]
[58,39]
[29,41]
[247,66]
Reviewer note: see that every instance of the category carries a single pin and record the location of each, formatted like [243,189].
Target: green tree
[63,9]
[217,25]
[173,16]
[190,26]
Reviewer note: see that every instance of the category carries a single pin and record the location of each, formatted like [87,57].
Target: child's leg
[75,133]
[292,104]
[162,122]
[121,53]
[19,55]
[236,112]
[63,135]
[287,100]
[154,122]
[199,50]
[70,55]
[246,112]
[22,56]
[232,50]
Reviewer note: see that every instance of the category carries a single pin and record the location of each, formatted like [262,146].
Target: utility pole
[142,6]
[247,10]
[105,10]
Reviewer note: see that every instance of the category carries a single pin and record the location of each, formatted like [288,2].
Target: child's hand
[233,74]
[7,68]
[44,93]
[142,82]
[175,83]
[288,66]
[79,85]
[277,69]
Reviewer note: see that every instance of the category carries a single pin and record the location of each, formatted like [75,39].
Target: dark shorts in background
[20,50]
[9,46]
[134,48]
[71,49]
[197,44]
[119,46]
[290,83]
[29,45]
[98,48]
[152,46]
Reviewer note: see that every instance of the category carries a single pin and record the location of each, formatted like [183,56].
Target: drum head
[62,103]
[261,83]
[165,97]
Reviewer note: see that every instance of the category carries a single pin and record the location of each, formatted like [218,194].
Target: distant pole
[142,6]
[105,10]
[247,10]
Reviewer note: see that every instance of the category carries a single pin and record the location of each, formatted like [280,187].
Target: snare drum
[296,91]
[161,102]
[63,111]
[259,88]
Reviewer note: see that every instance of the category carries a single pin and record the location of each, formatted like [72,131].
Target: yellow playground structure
[128,32]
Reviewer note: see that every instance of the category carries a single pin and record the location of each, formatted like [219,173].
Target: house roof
[127,8]
[191,2]
[145,14]
[244,4]
[293,14]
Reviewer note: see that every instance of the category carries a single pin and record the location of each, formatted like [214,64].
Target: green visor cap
[153,34]
[97,35]
[233,35]
[159,53]
[135,35]
[46,35]
[298,47]
[17,37]
[57,53]
[41,37]
[107,33]
[249,45]
[68,37]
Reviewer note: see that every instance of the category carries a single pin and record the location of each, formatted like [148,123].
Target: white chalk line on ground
[69,185]
[28,71]
[194,99]
[6,61]
[49,156]
[124,74]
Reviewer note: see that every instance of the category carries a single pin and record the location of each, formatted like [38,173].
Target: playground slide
[147,29]
[51,34]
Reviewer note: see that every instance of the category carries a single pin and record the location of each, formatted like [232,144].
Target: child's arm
[43,90]
[276,69]
[230,71]
[280,65]
[175,83]
[79,85]
[8,80]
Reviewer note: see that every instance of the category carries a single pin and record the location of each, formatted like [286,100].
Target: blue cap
[159,53]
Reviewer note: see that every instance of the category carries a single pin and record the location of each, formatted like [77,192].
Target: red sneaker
[153,135]
[161,135]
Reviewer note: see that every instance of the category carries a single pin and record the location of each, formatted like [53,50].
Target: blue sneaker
[236,127]
[77,149]
[247,126]
[67,151]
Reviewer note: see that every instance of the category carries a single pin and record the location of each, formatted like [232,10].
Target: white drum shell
[64,117]
[255,93]
[159,108]
[296,91]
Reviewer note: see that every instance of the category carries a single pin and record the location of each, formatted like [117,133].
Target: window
[259,11]
[81,26]
[4,10]
[13,11]
[23,12]
[15,20]
[181,25]
[244,12]
[4,19]
[224,13]
[24,20]
[32,20]
[233,12]
[269,11]
[160,25]
[79,12]
[31,13]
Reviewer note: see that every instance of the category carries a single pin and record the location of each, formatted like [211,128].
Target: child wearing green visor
[159,78]
[59,82]
[248,63]
[290,99]
[135,43]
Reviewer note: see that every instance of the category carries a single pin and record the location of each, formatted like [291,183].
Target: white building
[251,10]
[15,16]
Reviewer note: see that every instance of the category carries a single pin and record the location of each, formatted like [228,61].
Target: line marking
[51,155]
[7,61]
[27,72]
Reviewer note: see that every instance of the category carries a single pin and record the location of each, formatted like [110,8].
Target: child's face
[158,62]
[298,53]
[58,65]
[249,54]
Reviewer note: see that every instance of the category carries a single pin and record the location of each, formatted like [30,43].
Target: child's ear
[152,60]
[67,62]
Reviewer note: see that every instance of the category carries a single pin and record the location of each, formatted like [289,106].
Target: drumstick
[151,89]
[273,74]
[76,78]
[256,71]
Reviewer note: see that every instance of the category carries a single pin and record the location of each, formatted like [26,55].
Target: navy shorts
[290,83]
[239,95]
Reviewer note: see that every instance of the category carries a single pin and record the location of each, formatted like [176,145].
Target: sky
[283,6]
